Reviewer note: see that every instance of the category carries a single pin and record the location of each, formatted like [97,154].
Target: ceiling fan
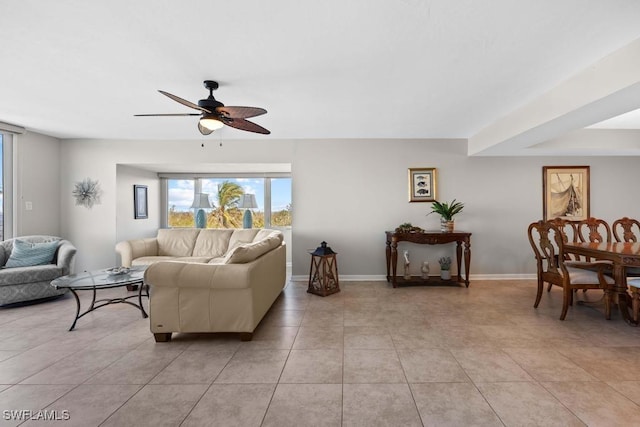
[214,114]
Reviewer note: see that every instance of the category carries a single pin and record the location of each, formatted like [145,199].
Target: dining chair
[634,286]
[594,230]
[569,231]
[626,229]
[547,243]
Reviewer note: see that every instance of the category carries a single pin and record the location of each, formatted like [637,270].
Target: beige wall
[127,227]
[348,193]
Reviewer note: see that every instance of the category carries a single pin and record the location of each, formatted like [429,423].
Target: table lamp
[247,202]
[201,202]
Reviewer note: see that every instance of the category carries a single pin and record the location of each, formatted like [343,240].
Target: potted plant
[446,210]
[445,267]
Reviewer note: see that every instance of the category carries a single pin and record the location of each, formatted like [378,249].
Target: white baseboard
[503,276]
[373,278]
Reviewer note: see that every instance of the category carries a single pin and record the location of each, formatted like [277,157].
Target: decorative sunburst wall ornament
[87,193]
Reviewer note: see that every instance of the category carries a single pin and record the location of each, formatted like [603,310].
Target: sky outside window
[181,191]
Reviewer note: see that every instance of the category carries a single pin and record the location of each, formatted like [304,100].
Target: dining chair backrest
[594,230]
[547,242]
[626,229]
[569,232]
[567,229]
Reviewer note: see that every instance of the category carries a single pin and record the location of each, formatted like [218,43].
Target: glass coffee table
[104,279]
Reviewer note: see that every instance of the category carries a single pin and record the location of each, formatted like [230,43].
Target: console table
[428,238]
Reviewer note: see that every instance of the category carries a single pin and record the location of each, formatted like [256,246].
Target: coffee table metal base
[96,304]
[104,279]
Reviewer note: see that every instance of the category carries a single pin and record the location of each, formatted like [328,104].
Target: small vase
[445,274]
[446,226]
[425,270]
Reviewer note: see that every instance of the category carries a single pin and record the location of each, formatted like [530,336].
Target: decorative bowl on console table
[407,227]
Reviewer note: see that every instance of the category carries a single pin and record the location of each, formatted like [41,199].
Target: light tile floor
[369,355]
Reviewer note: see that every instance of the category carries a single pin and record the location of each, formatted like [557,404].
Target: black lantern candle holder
[323,275]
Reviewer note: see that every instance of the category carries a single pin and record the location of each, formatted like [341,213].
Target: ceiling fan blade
[243,124]
[170,114]
[241,112]
[203,130]
[184,102]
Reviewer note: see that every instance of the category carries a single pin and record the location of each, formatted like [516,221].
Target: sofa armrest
[132,249]
[66,257]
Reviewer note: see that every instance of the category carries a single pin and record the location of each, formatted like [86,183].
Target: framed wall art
[565,192]
[422,184]
[140,203]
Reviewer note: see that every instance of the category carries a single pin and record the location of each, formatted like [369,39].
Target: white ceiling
[323,69]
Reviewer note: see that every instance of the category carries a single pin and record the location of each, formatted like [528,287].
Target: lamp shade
[201,200]
[248,201]
[211,122]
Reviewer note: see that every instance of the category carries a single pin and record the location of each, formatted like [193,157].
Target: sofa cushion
[199,259]
[212,243]
[177,241]
[242,236]
[265,232]
[25,254]
[37,273]
[250,251]
[148,260]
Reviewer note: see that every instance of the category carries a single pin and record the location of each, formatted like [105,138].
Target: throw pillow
[25,254]
[248,252]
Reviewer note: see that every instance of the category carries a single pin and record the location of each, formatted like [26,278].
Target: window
[6,189]
[2,209]
[181,193]
[281,214]
[272,193]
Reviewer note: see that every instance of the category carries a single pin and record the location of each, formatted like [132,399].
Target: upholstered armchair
[20,282]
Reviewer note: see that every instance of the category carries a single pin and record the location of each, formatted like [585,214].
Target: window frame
[267,176]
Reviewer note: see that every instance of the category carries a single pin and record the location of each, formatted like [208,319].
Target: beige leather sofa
[209,280]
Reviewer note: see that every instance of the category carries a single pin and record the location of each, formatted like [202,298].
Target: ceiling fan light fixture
[211,122]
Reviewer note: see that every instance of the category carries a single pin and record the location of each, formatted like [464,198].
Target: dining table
[621,255]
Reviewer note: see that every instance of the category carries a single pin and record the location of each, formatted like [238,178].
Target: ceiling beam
[606,89]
